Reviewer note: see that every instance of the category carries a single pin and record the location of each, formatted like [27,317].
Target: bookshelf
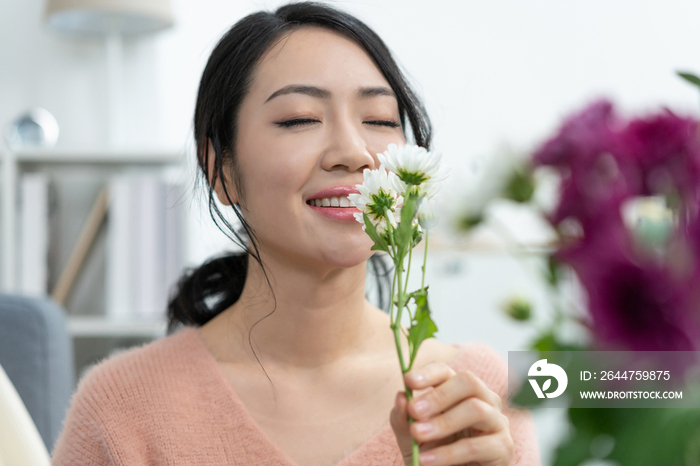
[82,253]
[89,327]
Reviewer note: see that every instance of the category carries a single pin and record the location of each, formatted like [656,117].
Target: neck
[320,318]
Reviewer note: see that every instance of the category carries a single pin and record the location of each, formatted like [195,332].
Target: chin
[348,258]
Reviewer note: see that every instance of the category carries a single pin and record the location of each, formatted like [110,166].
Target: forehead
[316,56]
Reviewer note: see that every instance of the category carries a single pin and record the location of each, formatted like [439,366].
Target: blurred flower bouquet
[396,209]
[627,222]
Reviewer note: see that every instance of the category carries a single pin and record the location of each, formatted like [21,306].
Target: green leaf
[520,186]
[642,436]
[469,220]
[573,450]
[422,326]
[553,273]
[417,237]
[691,78]
[404,233]
[518,309]
[549,342]
[380,243]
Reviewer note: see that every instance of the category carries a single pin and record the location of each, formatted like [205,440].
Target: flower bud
[518,308]
[427,215]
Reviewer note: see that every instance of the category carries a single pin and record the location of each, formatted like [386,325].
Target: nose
[347,148]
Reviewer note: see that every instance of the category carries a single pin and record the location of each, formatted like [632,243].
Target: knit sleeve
[489,366]
[83,440]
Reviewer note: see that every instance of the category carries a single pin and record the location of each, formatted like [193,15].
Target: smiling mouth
[337,202]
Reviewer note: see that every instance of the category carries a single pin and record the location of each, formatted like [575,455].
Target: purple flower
[586,152]
[635,302]
[663,153]
[691,237]
[637,308]
[582,137]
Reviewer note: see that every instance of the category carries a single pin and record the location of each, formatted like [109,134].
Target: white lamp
[112,19]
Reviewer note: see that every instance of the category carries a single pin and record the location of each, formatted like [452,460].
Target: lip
[335,213]
[334,191]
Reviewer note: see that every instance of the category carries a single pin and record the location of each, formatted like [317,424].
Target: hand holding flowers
[396,210]
[463,414]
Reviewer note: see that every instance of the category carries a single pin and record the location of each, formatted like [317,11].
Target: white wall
[490,72]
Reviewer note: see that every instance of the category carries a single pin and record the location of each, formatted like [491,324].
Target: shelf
[168,163]
[99,327]
[85,156]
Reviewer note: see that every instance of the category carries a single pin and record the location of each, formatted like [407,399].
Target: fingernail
[426,458]
[421,406]
[417,377]
[424,427]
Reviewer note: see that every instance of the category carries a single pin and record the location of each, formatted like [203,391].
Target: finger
[472,413]
[460,386]
[433,373]
[496,449]
[399,423]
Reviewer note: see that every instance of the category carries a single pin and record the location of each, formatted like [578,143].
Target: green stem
[408,269]
[396,326]
[398,264]
[425,259]
[391,300]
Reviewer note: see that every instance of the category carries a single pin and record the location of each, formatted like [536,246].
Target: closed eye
[307,121]
[390,123]
[296,122]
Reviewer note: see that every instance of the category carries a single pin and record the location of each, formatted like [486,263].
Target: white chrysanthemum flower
[427,214]
[413,164]
[427,189]
[391,216]
[379,223]
[360,218]
[377,194]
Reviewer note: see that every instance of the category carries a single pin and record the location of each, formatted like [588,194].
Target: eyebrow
[313,91]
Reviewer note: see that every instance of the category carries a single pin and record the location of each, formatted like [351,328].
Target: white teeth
[332,202]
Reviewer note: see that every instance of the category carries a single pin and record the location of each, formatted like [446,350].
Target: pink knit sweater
[169,403]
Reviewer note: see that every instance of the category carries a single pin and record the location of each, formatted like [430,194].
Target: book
[34,234]
[119,299]
[144,248]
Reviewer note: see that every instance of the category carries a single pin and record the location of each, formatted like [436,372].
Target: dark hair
[204,292]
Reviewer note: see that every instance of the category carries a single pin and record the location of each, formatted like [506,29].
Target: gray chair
[36,352]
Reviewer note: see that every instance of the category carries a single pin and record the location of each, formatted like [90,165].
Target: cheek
[275,177]
[378,143]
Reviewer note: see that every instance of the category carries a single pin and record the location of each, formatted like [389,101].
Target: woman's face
[283,165]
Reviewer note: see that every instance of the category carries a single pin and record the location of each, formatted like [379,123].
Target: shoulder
[484,361]
[479,358]
[477,354]
[141,361]
[474,356]
[117,400]
[138,373]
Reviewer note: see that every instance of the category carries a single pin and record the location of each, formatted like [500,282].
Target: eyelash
[304,121]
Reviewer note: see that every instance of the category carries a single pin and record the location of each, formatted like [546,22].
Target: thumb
[400,425]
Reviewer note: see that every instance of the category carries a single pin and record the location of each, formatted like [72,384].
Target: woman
[292,107]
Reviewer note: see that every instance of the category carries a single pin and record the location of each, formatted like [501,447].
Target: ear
[218,186]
